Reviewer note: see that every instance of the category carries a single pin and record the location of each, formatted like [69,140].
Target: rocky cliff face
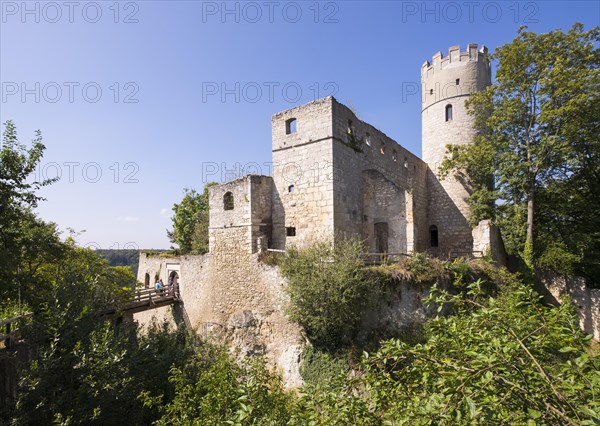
[235,300]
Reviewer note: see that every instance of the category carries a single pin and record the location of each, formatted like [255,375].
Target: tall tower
[447,83]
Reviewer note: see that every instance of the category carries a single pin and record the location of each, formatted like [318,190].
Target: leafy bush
[321,369]
[212,389]
[329,291]
[499,360]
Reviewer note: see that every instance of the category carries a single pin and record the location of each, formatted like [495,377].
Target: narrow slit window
[382,148]
[290,126]
[228,201]
[350,127]
[431,91]
[290,231]
[291,188]
[394,156]
[368,139]
[457,81]
[448,112]
[433,236]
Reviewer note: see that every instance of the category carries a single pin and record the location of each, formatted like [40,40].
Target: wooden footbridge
[145,299]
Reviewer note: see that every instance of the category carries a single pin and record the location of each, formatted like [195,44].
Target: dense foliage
[538,149]
[329,290]
[498,360]
[211,390]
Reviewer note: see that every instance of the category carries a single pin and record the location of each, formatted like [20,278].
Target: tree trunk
[530,204]
[528,253]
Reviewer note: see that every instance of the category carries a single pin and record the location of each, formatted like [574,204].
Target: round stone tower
[446,84]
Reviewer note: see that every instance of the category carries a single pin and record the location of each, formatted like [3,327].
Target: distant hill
[122,257]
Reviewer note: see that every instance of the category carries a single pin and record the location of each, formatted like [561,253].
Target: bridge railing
[12,328]
[149,294]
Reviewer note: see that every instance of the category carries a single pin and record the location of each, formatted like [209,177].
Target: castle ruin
[335,175]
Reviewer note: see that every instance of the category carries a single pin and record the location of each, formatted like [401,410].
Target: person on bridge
[158,286]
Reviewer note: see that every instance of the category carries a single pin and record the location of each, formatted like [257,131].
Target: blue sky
[138,100]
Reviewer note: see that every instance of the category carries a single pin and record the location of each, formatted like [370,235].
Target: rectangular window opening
[290,126]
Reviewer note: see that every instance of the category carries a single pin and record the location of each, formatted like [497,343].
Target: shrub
[329,291]
[321,369]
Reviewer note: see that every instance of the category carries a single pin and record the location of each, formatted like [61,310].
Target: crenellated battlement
[456,58]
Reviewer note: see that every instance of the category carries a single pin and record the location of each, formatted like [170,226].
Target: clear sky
[138,100]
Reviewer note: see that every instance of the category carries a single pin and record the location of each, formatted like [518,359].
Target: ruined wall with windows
[379,187]
[240,215]
[302,174]
[337,175]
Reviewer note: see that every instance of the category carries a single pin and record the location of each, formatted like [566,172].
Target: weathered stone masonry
[447,83]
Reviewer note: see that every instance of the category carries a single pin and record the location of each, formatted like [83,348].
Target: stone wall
[242,207]
[365,159]
[449,81]
[236,300]
[488,241]
[233,298]
[302,173]
[554,287]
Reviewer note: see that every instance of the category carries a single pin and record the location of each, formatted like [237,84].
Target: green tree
[77,367]
[25,241]
[539,130]
[190,222]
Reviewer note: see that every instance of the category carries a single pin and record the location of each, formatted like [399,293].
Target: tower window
[368,139]
[457,81]
[291,188]
[228,201]
[431,91]
[394,156]
[350,127]
[382,148]
[290,231]
[448,112]
[433,236]
[290,126]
